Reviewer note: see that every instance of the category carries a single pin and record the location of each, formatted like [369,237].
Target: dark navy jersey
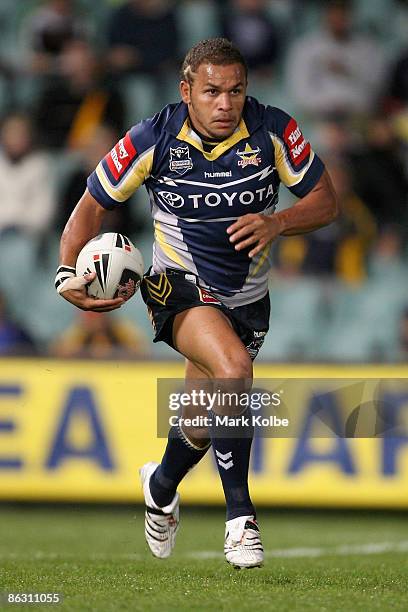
[195,195]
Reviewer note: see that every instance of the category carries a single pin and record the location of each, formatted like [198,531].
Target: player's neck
[207,141]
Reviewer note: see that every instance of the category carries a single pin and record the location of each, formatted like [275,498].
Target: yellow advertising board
[80,430]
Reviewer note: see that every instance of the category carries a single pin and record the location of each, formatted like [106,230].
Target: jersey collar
[178,126]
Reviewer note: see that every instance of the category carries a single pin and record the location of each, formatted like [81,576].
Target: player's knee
[238,367]
[233,378]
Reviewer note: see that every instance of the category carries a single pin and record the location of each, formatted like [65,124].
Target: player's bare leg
[159,482]
[205,336]
[213,351]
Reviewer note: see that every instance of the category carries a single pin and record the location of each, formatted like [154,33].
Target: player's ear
[185,88]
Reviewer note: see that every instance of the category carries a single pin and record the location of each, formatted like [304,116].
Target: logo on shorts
[254,347]
[180,160]
[206,297]
[159,291]
[249,156]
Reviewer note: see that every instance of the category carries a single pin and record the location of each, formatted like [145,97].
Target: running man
[212,165]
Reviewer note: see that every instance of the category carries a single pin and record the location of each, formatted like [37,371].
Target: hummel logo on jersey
[218,174]
[180,160]
[249,156]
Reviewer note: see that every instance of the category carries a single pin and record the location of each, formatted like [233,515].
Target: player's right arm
[117,176]
[83,224]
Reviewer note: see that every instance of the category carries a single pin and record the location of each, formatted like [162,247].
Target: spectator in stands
[9,64]
[120,219]
[143,37]
[27,193]
[289,255]
[73,105]
[47,30]
[248,24]
[397,95]
[375,155]
[14,339]
[386,261]
[342,248]
[336,139]
[356,226]
[378,173]
[403,336]
[334,71]
[96,335]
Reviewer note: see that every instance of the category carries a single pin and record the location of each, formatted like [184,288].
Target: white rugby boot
[243,546]
[161,524]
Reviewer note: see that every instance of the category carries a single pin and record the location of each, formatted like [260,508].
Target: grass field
[97,558]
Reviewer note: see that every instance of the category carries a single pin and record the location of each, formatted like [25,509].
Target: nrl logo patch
[249,156]
[180,160]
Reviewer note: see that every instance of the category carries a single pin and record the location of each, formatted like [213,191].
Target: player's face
[215,99]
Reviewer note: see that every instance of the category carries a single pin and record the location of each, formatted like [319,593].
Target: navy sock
[179,457]
[232,456]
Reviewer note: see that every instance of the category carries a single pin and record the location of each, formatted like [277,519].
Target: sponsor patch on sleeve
[298,147]
[121,156]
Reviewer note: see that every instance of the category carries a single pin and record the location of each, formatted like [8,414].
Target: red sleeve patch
[298,147]
[206,297]
[121,156]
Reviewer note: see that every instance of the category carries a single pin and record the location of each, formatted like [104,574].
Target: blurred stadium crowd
[75,74]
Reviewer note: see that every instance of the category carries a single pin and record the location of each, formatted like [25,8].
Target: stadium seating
[47,314]
[310,320]
[141,98]
[197,20]
[364,322]
[18,255]
[295,308]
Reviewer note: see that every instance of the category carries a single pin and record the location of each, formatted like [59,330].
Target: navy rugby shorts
[173,291]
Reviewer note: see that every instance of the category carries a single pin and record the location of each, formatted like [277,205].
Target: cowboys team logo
[249,156]
[180,160]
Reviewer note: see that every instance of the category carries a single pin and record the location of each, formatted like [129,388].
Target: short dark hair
[217,51]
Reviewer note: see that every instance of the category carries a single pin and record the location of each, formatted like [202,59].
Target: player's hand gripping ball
[118,265]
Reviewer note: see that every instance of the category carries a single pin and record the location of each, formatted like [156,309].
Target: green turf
[98,559]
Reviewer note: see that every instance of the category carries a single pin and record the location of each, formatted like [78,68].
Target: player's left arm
[317,208]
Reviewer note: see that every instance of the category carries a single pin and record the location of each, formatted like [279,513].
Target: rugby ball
[118,265]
